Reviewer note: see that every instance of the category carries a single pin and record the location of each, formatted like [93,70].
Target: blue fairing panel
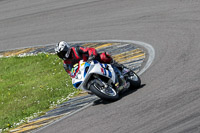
[87,65]
[76,85]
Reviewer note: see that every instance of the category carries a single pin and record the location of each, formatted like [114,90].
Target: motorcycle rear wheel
[108,93]
[134,80]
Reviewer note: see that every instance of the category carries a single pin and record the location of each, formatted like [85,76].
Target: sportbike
[104,80]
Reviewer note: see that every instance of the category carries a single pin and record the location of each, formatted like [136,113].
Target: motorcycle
[104,80]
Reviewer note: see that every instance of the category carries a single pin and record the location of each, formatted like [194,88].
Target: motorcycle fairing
[86,70]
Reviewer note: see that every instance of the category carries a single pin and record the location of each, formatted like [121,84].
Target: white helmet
[63,50]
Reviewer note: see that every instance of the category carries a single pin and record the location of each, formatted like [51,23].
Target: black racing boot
[123,69]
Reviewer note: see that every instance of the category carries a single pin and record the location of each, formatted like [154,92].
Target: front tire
[108,93]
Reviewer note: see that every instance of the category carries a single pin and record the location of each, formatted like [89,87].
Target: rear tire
[108,94]
[134,80]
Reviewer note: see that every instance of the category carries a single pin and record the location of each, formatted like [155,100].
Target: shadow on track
[126,93]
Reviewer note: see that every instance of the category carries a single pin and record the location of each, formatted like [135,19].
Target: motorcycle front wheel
[105,93]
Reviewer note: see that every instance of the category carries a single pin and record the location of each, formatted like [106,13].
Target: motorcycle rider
[72,55]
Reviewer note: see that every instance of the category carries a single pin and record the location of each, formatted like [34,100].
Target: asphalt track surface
[170,99]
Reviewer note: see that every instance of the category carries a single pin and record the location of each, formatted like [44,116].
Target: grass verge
[29,85]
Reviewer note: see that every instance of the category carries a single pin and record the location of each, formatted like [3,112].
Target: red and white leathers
[83,53]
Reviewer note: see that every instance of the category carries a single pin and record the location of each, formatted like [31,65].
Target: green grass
[29,85]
